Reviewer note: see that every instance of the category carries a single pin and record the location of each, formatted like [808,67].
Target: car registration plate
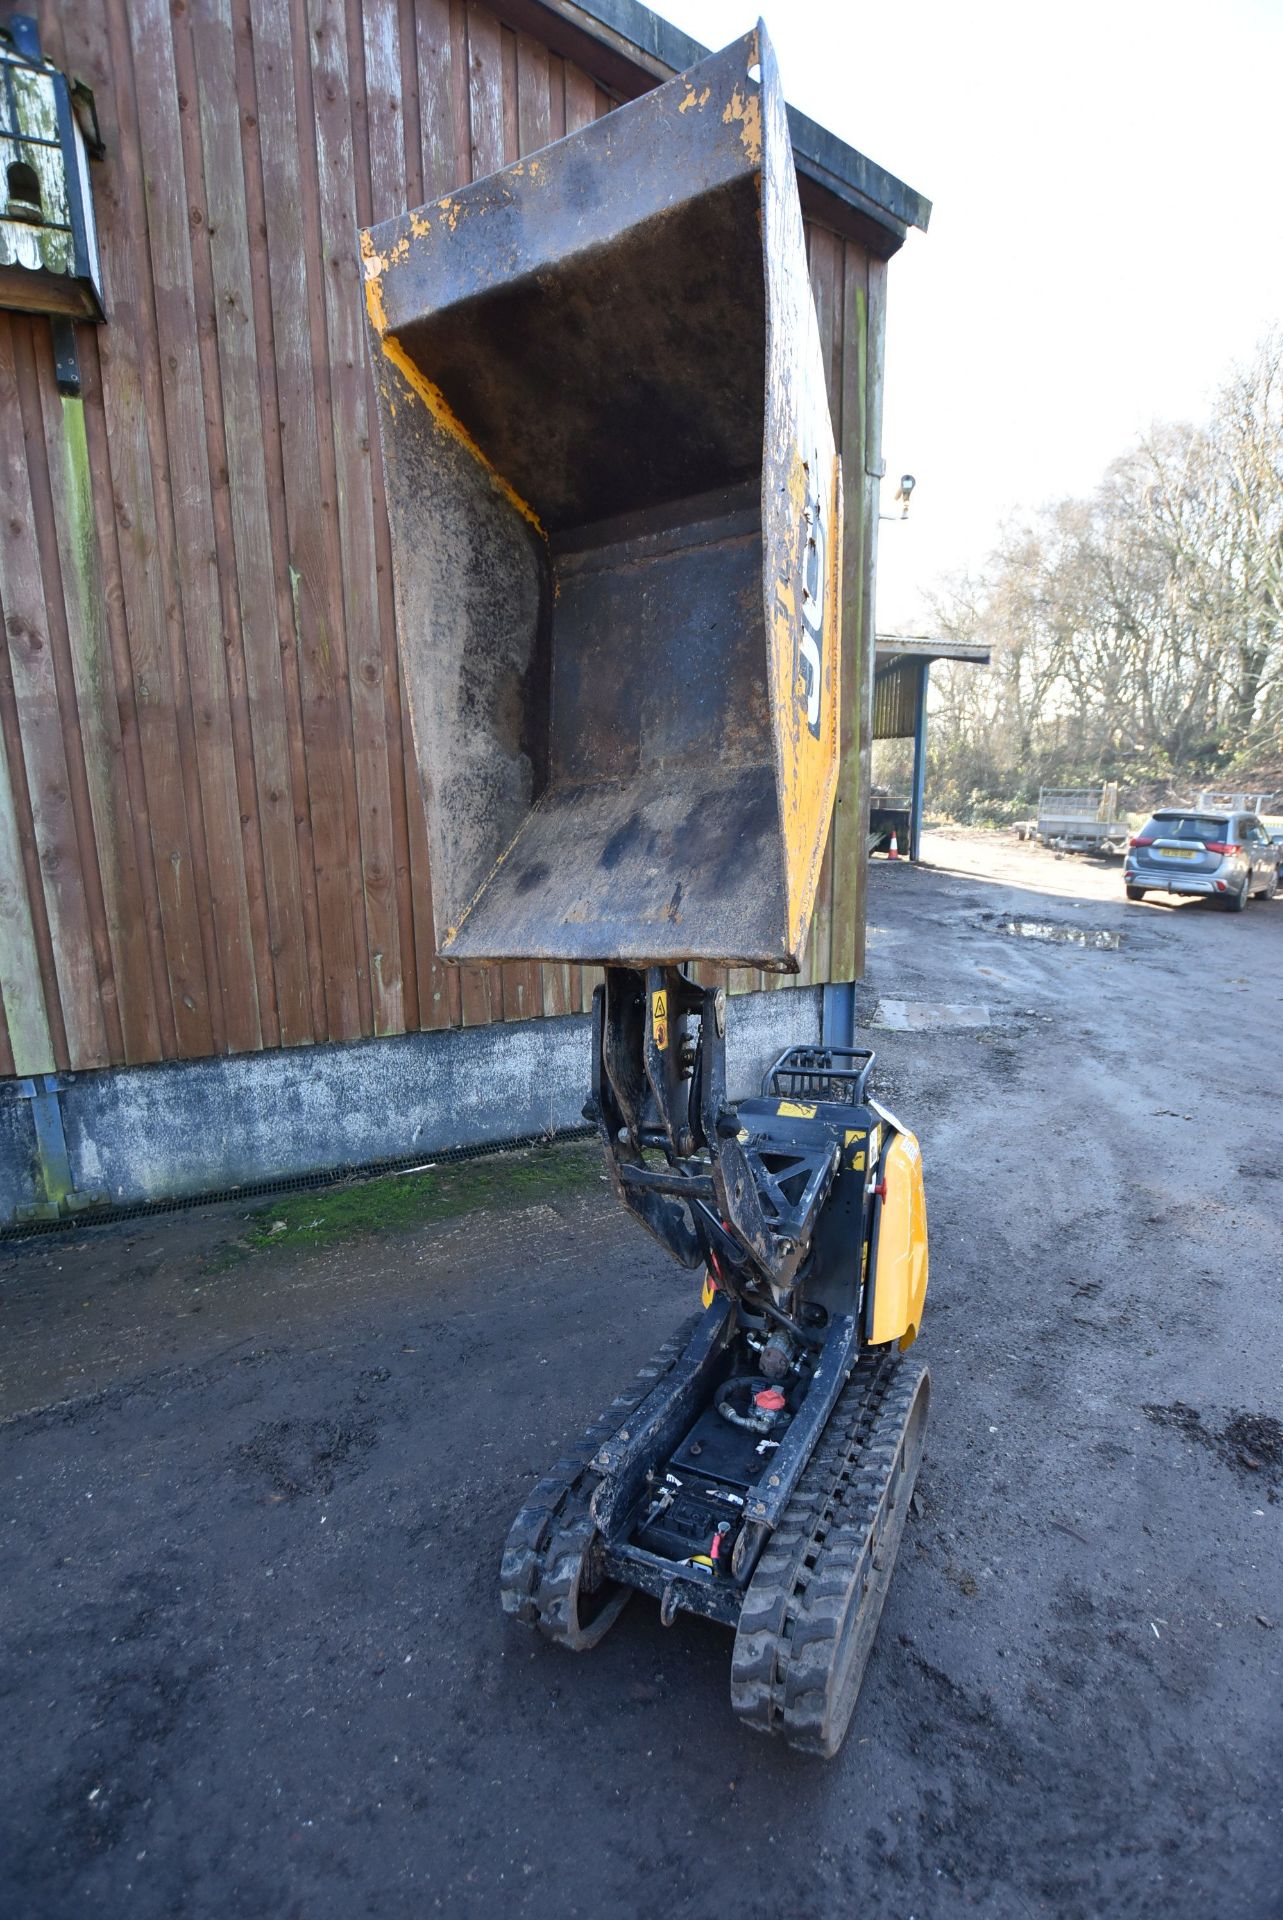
[1179,853]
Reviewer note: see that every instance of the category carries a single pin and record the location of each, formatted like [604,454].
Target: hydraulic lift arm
[659,1084]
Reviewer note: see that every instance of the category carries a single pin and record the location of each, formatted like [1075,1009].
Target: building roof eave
[891,648]
[630,46]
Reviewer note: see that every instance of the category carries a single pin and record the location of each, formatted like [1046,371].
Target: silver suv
[1228,856]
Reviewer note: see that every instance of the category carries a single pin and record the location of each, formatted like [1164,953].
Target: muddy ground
[256,1484]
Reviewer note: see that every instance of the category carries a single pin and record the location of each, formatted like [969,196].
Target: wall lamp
[903,494]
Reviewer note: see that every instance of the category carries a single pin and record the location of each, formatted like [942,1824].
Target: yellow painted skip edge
[747,109]
[431,396]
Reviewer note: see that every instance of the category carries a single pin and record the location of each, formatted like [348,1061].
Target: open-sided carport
[902,673]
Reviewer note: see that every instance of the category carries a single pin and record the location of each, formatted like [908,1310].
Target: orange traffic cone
[893,851]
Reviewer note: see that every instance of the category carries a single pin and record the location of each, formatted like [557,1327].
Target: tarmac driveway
[255,1489]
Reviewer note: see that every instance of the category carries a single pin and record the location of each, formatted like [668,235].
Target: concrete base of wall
[205,1126]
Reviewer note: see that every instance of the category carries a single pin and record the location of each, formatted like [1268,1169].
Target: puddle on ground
[1062,936]
[913,1016]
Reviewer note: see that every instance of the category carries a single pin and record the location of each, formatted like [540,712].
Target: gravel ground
[254,1500]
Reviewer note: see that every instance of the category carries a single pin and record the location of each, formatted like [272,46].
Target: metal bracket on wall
[53,1163]
[66,358]
[24,31]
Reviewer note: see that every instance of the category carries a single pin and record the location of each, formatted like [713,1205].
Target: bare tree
[1136,634]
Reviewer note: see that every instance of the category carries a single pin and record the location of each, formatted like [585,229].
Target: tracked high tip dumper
[616,512]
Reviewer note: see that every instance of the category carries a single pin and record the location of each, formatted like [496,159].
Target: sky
[1106,237]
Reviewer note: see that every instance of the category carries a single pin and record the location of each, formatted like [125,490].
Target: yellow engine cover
[900,1273]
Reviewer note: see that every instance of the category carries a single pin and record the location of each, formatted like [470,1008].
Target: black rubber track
[812,1607]
[549,1576]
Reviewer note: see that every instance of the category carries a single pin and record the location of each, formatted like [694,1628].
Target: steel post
[919,759]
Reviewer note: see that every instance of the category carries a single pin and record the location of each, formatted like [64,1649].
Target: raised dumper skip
[616,511]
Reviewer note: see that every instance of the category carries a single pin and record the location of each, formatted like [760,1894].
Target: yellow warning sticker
[855,1160]
[659,1017]
[708,1293]
[795,1110]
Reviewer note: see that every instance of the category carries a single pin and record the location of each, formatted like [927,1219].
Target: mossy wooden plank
[98,716]
[30,1044]
[37,705]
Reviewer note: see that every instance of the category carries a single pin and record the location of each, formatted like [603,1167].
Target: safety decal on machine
[659,1017]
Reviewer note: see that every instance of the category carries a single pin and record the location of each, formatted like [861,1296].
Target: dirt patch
[292,1458]
[1256,1442]
[1250,1443]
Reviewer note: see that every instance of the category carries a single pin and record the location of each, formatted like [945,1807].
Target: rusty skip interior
[573,388]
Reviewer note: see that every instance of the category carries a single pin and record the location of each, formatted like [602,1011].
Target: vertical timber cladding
[211,834]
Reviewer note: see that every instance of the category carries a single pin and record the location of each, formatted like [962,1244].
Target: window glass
[1185,826]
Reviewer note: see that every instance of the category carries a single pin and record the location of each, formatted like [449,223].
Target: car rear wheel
[1236,902]
[1136,893]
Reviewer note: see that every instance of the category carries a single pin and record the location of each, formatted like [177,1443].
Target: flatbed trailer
[1078,819]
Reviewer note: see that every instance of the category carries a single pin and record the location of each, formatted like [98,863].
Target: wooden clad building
[211,830]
